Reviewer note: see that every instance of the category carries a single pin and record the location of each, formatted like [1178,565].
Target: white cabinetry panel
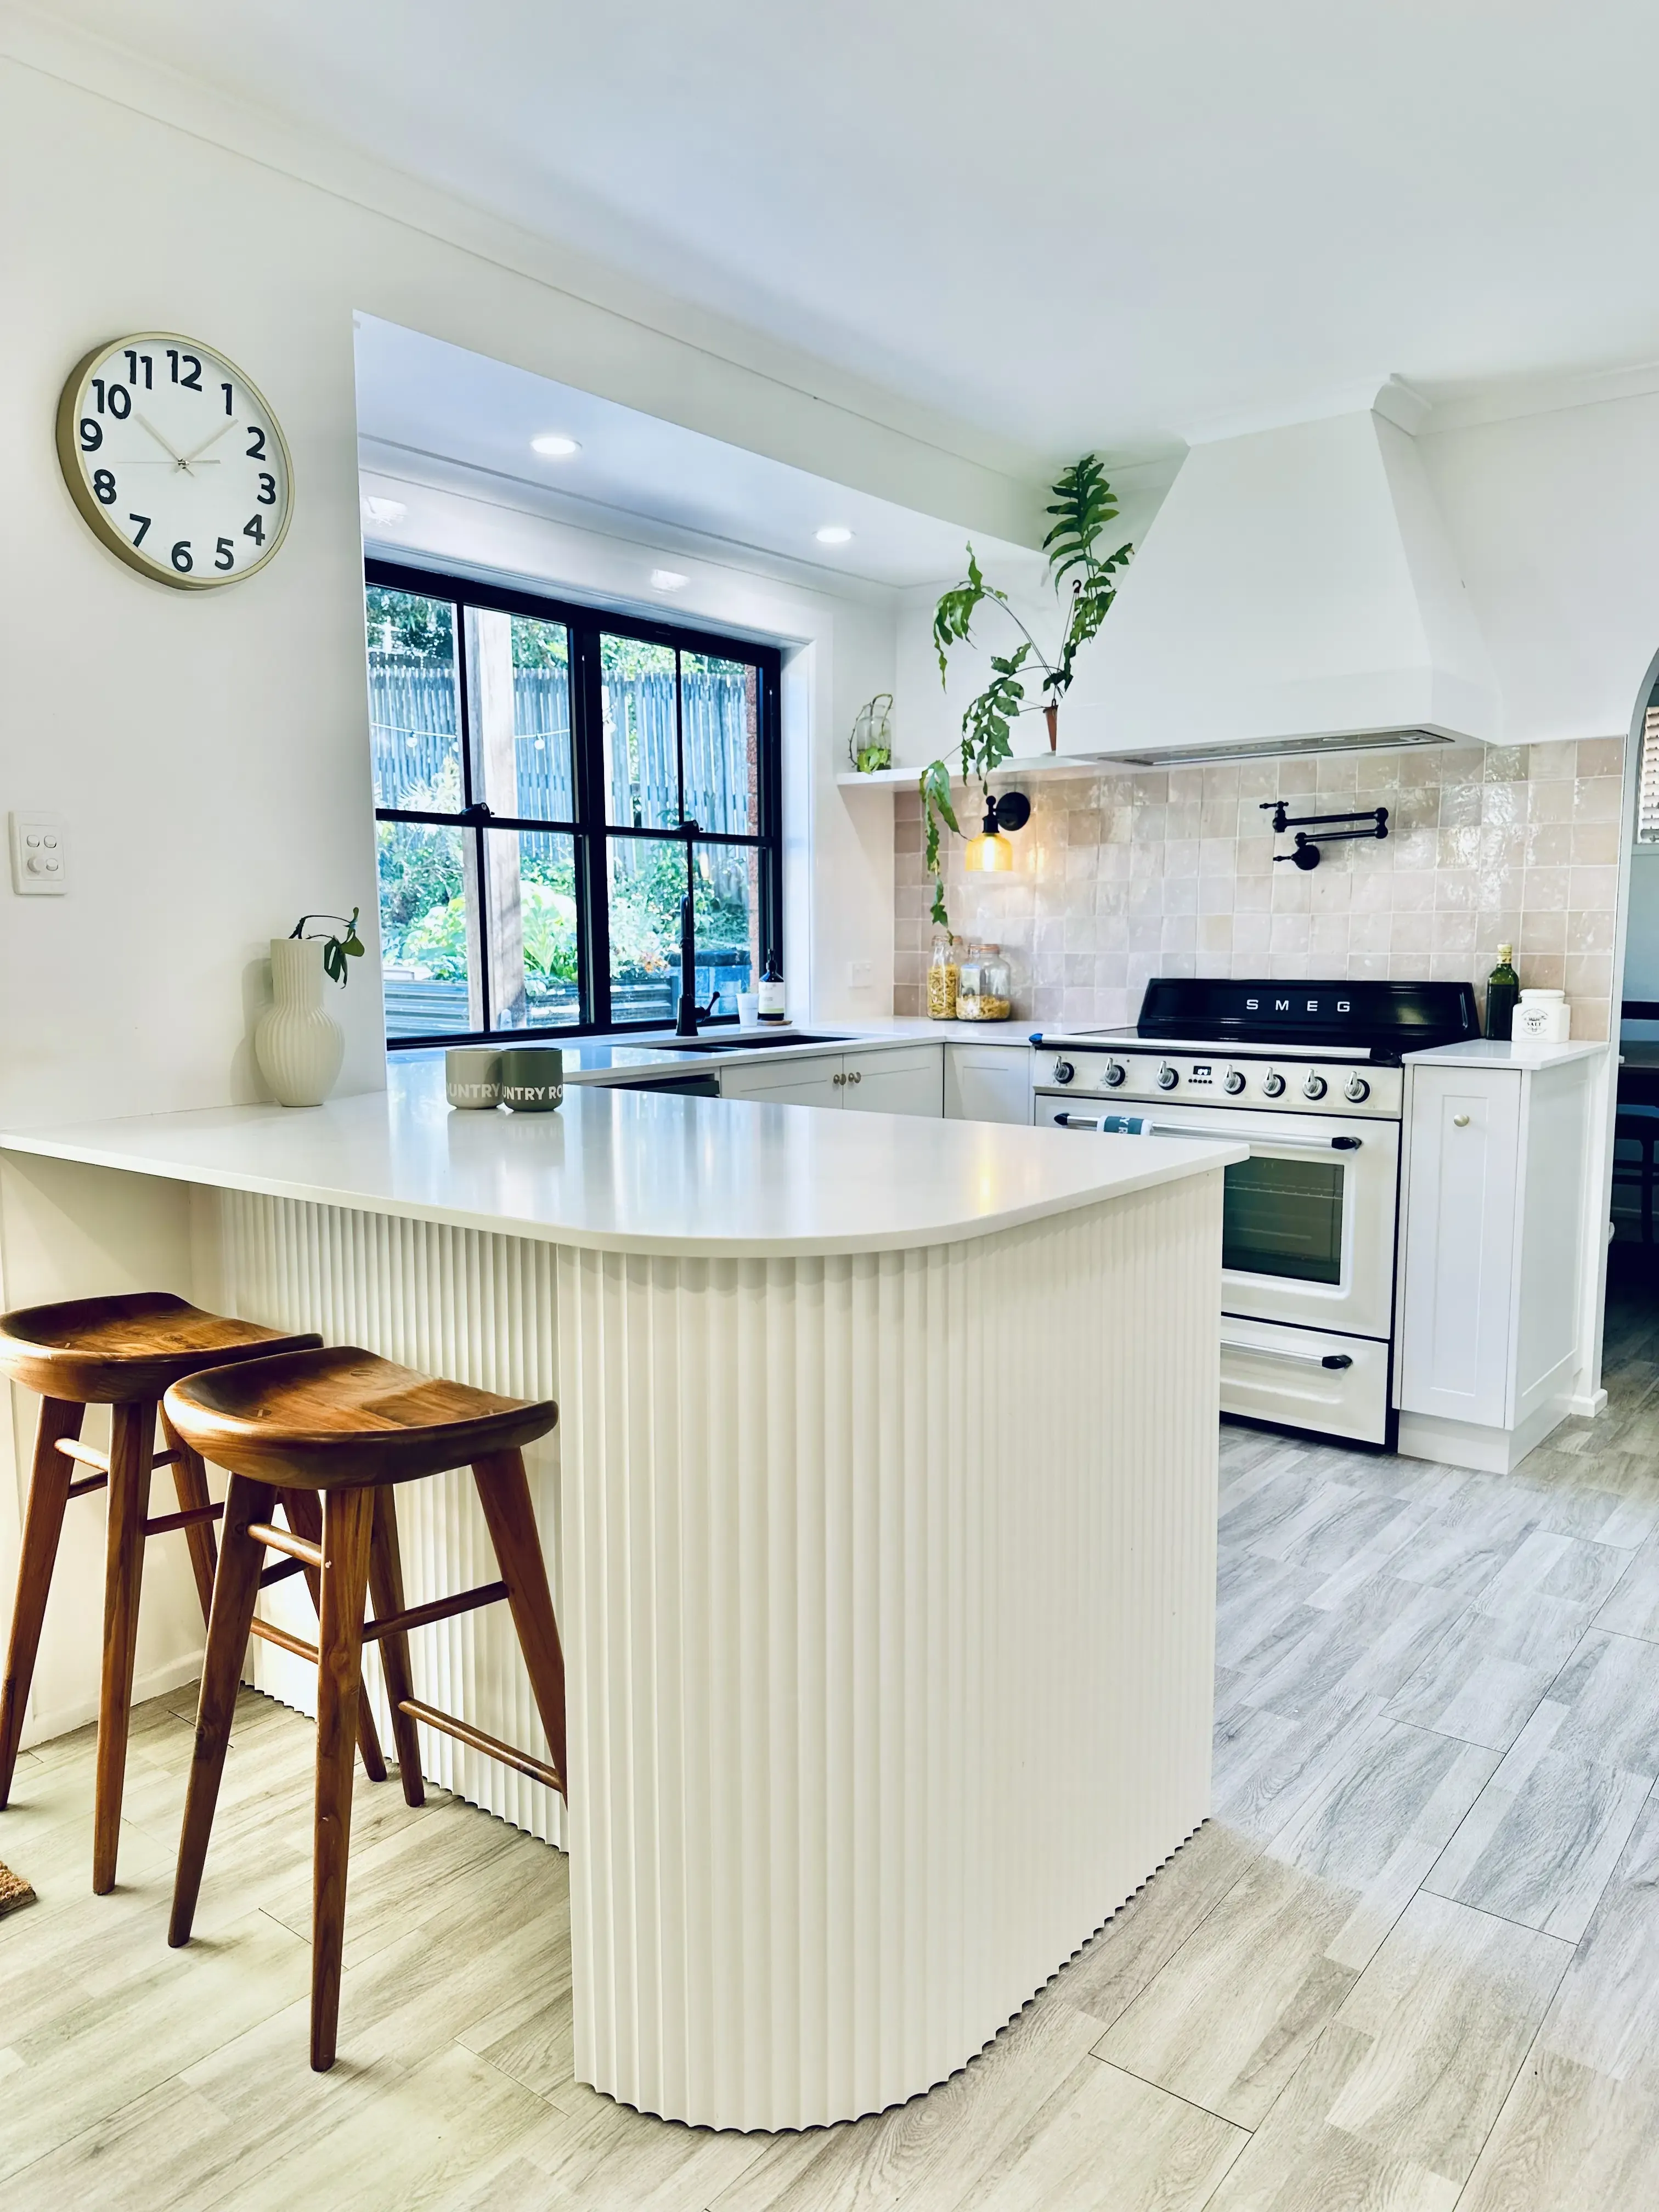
[801,1083]
[988,1082]
[909,1081]
[1459,1242]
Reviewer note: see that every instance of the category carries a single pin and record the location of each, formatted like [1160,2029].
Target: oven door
[1308,1220]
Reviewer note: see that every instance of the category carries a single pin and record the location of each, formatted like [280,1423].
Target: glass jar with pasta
[984,985]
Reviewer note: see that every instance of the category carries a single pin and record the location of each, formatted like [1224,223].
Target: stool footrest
[268,1632]
[476,1740]
[190,1517]
[87,1484]
[438,1608]
[284,1539]
[95,1455]
[281,1573]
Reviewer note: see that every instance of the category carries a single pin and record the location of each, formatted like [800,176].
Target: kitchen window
[550,780]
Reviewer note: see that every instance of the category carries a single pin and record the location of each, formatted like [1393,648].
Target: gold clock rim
[92,515]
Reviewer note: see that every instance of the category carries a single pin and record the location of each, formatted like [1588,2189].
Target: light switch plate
[40,855]
[857,975]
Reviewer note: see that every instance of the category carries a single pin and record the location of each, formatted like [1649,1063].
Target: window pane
[531,882]
[728,918]
[641,754]
[423,930]
[719,728]
[518,678]
[648,881]
[413,723]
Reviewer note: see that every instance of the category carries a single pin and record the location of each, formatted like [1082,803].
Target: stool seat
[343,1416]
[122,1351]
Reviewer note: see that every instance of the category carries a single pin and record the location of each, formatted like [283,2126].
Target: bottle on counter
[985,990]
[942,977]
[769,1005]
[1502,990]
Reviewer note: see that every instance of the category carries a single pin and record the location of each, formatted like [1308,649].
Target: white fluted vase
[299,1047]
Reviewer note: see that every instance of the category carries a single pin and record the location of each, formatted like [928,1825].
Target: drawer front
[1271,1373]
[909,1079]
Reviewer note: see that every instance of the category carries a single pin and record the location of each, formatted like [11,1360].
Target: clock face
[175,460]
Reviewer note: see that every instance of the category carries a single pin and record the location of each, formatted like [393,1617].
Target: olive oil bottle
[1502,990]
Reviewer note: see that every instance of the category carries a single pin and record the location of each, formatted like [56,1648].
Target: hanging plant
[1085,584]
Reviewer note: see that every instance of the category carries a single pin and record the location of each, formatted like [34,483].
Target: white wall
[154,719]
[839,648]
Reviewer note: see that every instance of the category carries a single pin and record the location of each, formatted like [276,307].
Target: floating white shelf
[1023,764]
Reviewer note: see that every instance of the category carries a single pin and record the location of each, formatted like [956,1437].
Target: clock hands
[179,460]
[206,442]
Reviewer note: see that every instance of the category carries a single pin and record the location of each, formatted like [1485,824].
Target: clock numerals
[103,485]
[181,557]
[254,528]
[118,401]
[92,434]
[144,522]
[267,490]
[135,362]
[225,388]
[191,378]
[224,555]
[256,442]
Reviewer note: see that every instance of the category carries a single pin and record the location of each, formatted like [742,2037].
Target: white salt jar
[1541,1017]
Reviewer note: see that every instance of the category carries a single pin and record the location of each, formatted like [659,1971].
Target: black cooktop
[1385,1019]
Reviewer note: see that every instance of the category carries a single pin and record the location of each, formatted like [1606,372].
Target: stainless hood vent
[1373,741]
[1296,592]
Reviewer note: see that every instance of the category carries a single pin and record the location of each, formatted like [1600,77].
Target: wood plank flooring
[1413,1962]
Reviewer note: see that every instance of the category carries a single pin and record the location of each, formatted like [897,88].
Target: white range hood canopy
[1296,591]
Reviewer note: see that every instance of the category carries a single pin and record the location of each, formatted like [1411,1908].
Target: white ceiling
[1073,224]
[419,400]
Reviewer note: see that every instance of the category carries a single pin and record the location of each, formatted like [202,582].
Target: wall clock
[176,461]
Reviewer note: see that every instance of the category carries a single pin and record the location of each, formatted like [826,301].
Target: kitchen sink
[751,1043]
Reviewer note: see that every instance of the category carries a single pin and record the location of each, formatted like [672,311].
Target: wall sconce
[990,853]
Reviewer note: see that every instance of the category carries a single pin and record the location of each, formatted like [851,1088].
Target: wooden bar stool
[347,1425]
[123,1353]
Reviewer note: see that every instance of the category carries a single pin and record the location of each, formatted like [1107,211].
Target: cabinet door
[909,1079]
[1460,1243]
[815,1082]
[988,1082]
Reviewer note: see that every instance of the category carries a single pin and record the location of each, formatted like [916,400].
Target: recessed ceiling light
[384,514]
[834,533]
[669,580]
[555,445]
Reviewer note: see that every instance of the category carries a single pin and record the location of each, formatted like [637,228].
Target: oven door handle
[1332,1359]
[1211,1136]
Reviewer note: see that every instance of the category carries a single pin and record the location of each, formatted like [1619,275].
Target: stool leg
[189,1480]
[347,1517]
[132,1445]
[235,1593]
[504,1493]
[305,1516]
[385,1583]
[42,1522]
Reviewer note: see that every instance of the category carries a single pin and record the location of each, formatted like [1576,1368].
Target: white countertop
[624,1171]
[609,1058]
[1500,1052]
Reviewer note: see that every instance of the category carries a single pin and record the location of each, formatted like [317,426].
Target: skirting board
[1468,1444]
[45,1727]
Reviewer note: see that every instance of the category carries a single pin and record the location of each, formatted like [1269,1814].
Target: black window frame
[590,832]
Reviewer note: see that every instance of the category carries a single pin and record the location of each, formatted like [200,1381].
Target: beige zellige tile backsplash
[1120,876]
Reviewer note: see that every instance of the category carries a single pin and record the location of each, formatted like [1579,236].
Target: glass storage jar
[985,990]
[942,975]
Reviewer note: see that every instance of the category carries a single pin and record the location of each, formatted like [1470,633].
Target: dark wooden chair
[123,1353]
[1637,1125]
[347,1427]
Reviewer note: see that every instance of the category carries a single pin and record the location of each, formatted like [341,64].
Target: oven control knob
[1272,1084]
[1233,1081]
[1064,1070]
[1167,1077]
[1116,1074]
[1356,1088]
[1314,1087]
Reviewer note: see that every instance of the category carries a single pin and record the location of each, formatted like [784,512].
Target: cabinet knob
[856,1076]
[1460,1120]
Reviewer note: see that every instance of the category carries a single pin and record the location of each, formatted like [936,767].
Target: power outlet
[40,855]
[857,975]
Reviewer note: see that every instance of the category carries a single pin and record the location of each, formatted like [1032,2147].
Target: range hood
[1296,592]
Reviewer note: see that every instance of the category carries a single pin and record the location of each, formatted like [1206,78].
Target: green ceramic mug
[532,1078]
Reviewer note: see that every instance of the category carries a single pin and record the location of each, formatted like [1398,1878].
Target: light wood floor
[1412,1963]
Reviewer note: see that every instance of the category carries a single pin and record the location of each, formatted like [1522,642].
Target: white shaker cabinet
[988,1082]
[899,1079]
[789,1081]
[1493,1213]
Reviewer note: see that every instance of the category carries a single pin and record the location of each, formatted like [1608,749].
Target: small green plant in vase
[337,949]
[1085,583]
